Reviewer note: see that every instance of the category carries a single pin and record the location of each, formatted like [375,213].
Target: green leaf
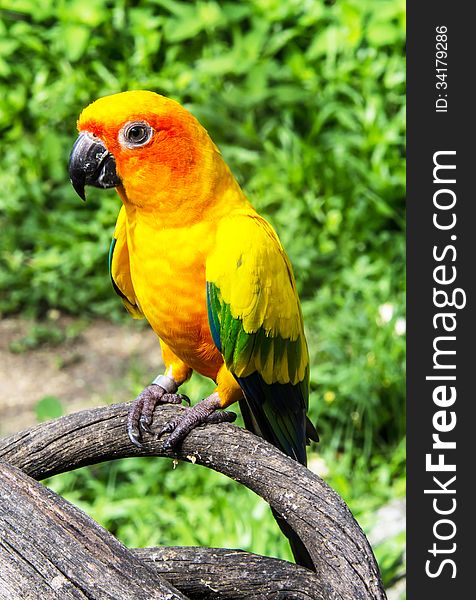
[49,407]
[76,38]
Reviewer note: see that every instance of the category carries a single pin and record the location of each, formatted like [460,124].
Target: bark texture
[51,549]
[209,573]
[345,565]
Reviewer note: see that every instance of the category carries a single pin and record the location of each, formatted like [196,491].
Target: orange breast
[168,275]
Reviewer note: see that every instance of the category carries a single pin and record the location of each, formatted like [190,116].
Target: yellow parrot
[192,256]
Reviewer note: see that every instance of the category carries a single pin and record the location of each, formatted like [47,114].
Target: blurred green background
[305,98]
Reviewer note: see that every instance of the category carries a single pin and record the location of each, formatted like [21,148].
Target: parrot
[193,257]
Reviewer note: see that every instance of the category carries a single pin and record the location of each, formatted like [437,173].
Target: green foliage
[47,333]
[368,484]
[306,102]
[156,502]
[39,334]
[49,407]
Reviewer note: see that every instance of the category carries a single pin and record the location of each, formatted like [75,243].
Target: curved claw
[185,398]
[141,413]
[168,428]
[144,424]
[133,420]
[134,436]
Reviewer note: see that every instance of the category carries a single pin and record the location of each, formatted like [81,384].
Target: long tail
[277,413]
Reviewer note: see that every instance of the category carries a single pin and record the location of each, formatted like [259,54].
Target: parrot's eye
[135,134]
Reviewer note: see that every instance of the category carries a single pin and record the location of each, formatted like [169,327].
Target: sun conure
[192,256]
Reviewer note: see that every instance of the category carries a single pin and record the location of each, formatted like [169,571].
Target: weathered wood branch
[211,573]
[345,565]
[51,549]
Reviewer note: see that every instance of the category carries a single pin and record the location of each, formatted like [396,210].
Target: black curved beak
[90,163]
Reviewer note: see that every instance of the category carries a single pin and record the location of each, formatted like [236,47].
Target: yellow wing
[119,267]
[254,310]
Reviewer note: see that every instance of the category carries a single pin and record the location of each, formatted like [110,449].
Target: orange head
[151,148]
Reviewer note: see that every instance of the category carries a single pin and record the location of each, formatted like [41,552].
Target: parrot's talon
[167,445]
[168,428]
[144,424]
[172,398]
[141,412]
[186,399]
[200,414]
[225,416]
[135,437]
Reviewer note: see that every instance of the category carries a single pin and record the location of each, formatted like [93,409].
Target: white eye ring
[135,134]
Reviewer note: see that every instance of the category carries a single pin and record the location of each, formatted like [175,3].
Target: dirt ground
[87,369]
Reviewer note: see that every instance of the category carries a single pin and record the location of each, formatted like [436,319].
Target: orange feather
[175,190]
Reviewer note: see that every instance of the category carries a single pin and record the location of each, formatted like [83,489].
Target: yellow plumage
[210,275]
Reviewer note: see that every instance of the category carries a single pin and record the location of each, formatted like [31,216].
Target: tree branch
[51,549]
[211,573]
[345,565]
